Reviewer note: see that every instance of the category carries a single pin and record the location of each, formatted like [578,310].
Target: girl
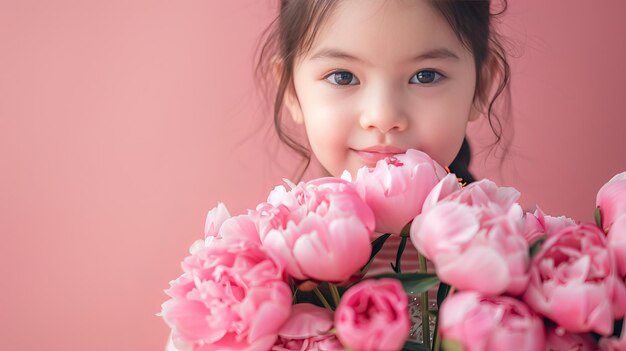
[425,69]
[370,79]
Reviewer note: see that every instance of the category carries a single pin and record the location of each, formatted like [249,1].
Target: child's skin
[363,92]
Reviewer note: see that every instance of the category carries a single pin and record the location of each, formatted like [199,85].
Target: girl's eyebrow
[434,54]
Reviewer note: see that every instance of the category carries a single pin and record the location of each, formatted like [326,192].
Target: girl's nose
[383,111]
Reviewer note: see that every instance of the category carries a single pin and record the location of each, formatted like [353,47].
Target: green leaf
[442,293]
[413,283]
[534,248]
[414,346]
[401,248]
[598,217]
[377,244]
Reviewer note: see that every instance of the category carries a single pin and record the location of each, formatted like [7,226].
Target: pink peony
[474,238]
[490,323]
[561,340]
[538,225]
[231,296]
[573,281]
[532,230]
[487,195]
[308,328]
[554,225]
[319,230]
[242,227]
[373,315]
[614,343]
[397,187]
[214,220]
[616,239]
[236,228]
[446,186]
[611,199]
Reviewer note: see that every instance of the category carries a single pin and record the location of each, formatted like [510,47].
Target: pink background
[123,122]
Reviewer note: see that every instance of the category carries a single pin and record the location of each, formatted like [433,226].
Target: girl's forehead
[387,30]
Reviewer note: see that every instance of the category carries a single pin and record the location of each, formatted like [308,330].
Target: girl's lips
[371,157]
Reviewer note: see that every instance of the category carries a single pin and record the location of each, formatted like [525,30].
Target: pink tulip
[573,281]
[308,328]
[232,296]
[373,315]
[561,340]
[616,239]
[611,199]
[474,248]
[319,230]
[490,323]
[397,187]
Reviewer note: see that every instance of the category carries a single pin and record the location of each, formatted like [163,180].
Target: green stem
[437,343]
[424,306]
[335,293]
[320,296]
[438,337]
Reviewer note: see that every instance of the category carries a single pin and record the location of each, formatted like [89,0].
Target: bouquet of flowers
[292,274]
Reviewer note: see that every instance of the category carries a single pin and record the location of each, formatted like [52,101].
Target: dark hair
[293,31]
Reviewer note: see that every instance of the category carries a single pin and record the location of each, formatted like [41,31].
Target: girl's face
[382,77]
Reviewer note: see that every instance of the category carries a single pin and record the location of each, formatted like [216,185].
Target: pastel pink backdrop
[123,122]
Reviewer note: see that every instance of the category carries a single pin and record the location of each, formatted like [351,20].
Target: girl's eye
[426,77]
[342,78]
